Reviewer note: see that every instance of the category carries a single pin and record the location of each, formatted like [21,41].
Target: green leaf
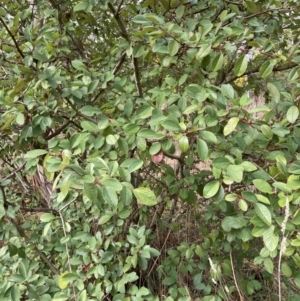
[47,217]
[91,191]
[135,165]
[248,166]
[81,6]
[243,205]
[110,196]
[183,144]
[274,92]
[89,126]
[104,219]
[267,131]
[92,87]
[205,49]
[139,19]
[266,69]
[20,119]
[286,269]
[112,183]
[270,239]
[208,136]
[155,148]
[220,162]
[171,125]
[35,153]
[292,114]
[295,168]
[145,196]
[79,65]
[89,110]
[202,149]
[144,111]
[211,189]
[234,222]
[231,125]
[235,172]
[149,134]
[241,65]
[111,139]
[268,264]
[15,293]
[263,213]
[173,47]
[228,91]
[263,186]
[217,62]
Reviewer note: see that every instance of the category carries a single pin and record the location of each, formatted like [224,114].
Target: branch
[23,234]
[269,10]
[119,21]
[134,60]
[137,76]
[41,254]
[26,209]
[58,131]
[119,63]
[256,69]
[119,7]
[13,38]
[179,159]
[12,173]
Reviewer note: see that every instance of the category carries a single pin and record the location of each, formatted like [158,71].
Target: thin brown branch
[134,60]
[256,69]
[13,172]
[119,7]
[26,209]
[13,38]
[58,131]
[179,159]
[23,234]
[119,63]
[137,76]
[269,10]
[119,21]
[41,254]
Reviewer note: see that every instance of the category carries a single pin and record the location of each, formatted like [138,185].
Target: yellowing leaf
[231,125]
[61,282]
[145,196]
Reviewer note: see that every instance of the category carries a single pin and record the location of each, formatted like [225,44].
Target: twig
[12,173]
[13,38]
[41,254]
[179,159]
[256,69]
[119,7]
[119,63]
[26,209]
[137,76]
[63,207]
[58,131]
[234,278]
[134,60]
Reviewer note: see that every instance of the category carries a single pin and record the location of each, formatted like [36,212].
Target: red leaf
[157,157]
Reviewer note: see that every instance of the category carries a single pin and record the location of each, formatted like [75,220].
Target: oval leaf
[211,189]
[231,125]
[145,196]
[292,114]
[263,213]
[241,65]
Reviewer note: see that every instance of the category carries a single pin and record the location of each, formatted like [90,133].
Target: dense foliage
[136,162]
